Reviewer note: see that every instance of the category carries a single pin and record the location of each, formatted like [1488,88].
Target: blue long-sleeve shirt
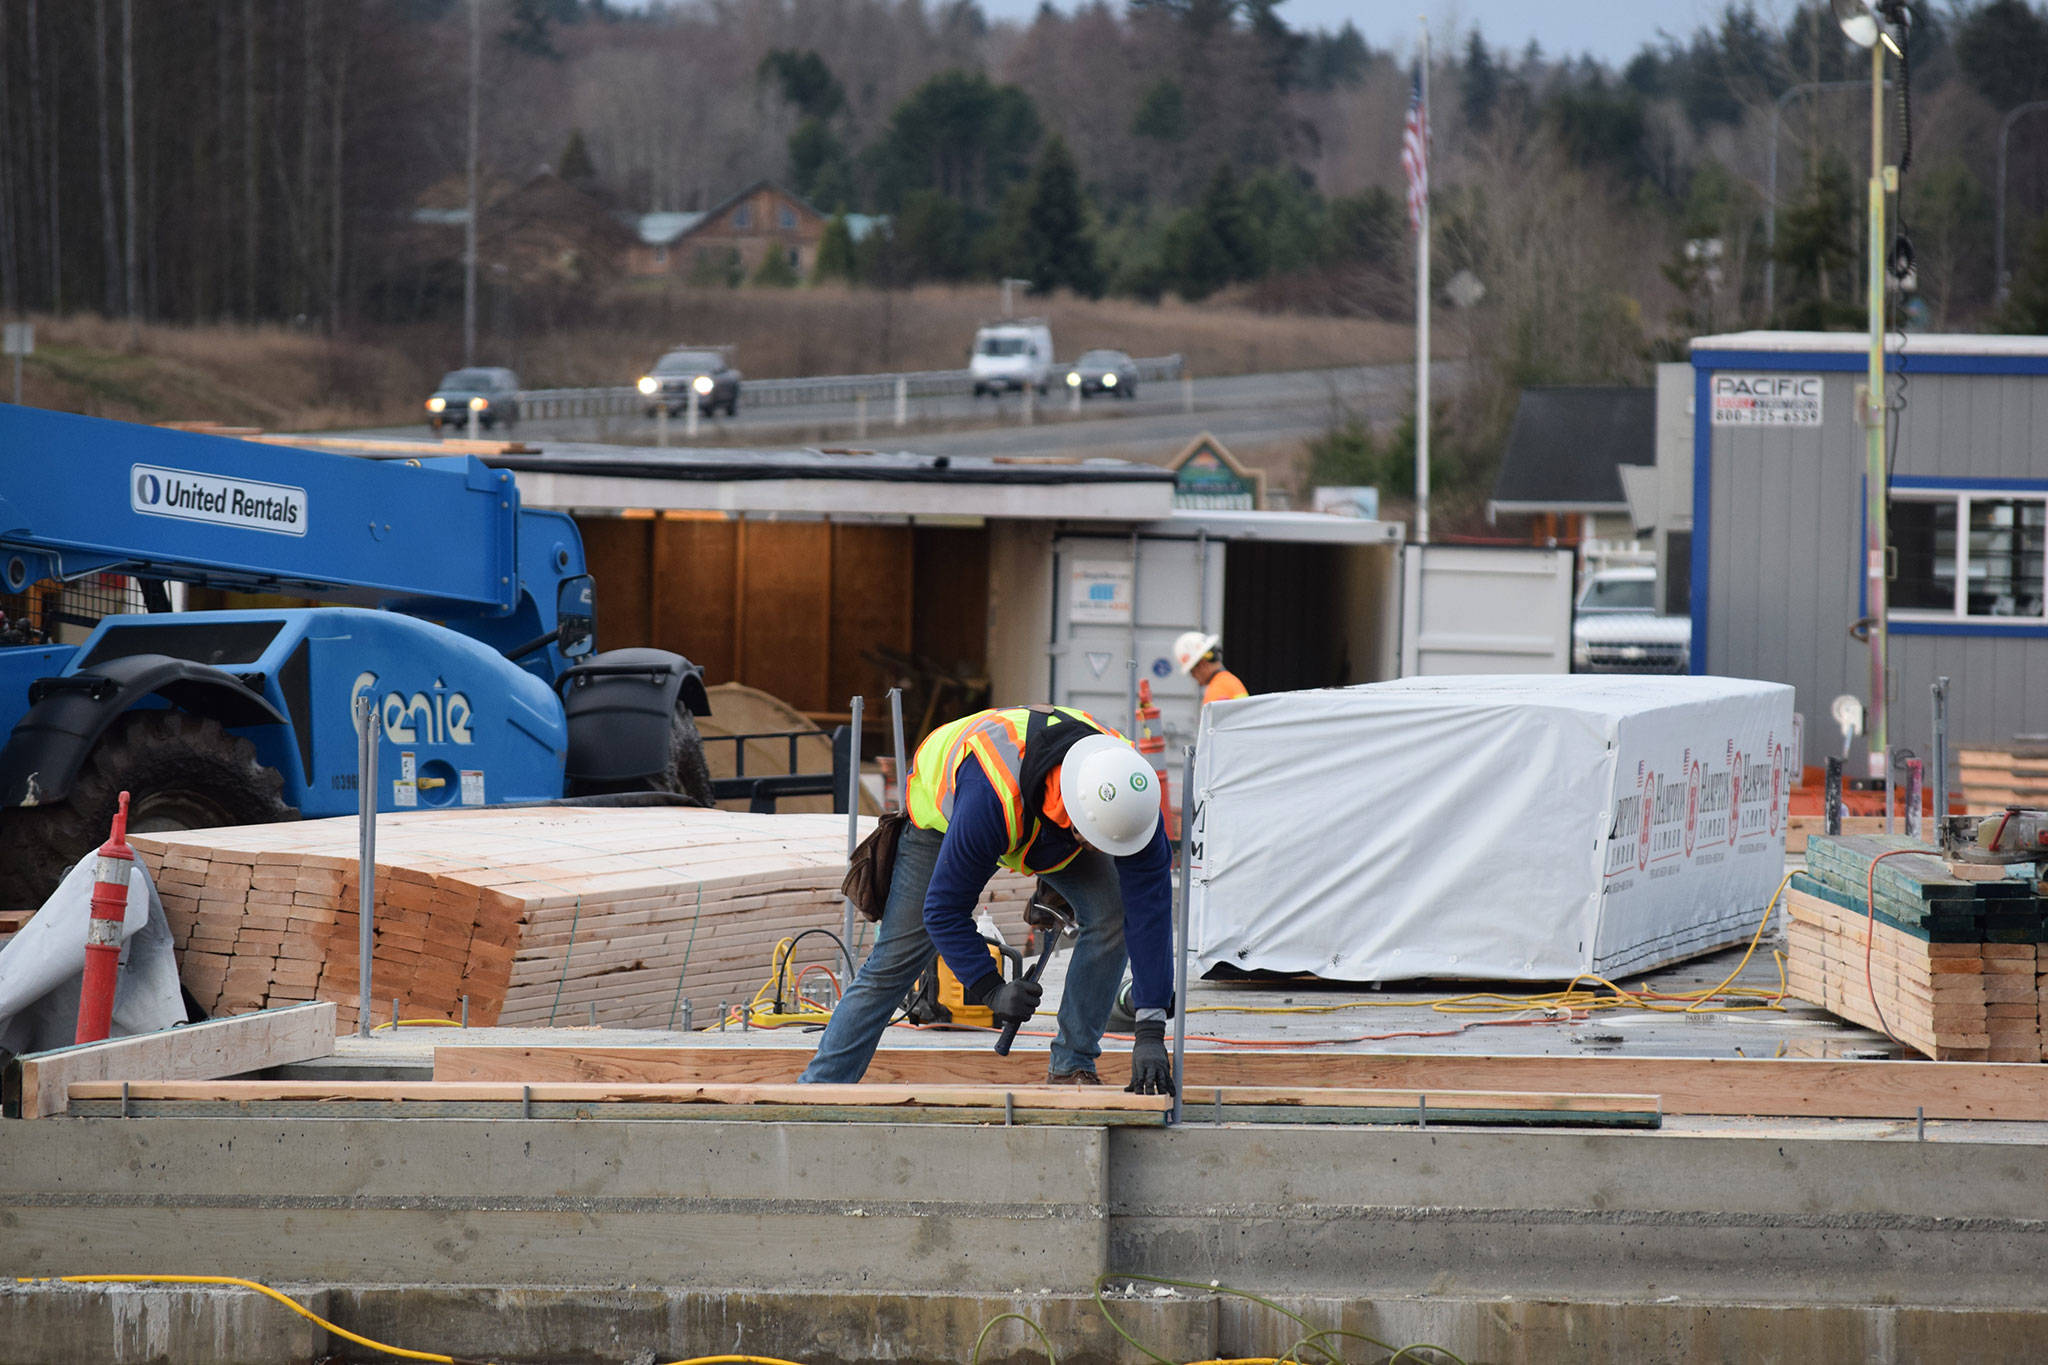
[976,837]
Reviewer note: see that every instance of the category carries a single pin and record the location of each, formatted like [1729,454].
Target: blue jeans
[902,951]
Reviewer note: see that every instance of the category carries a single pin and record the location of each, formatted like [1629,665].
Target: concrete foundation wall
[828,1243]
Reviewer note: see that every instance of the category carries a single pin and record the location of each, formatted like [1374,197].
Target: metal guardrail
[845,388]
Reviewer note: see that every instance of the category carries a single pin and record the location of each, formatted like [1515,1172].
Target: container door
[1119,600]
[1485,609]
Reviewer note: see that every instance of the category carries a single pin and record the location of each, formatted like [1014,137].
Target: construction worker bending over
[1047,791]
[1199,658]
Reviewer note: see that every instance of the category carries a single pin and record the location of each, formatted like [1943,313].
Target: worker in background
[1199,657]
[1046,791]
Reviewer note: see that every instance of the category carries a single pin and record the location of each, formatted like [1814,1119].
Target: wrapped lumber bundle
[1991,779]
[1948,962]
[535,915]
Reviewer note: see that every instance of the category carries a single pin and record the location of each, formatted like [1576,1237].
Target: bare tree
[131,272]
[250,191]
[110,218]
[10,283]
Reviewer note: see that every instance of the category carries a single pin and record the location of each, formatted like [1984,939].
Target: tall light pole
[2000,278]
[476,61]
[1869,24]
[1785,97]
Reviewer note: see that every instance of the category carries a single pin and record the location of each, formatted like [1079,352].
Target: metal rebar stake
[852,817]
[896,725]
[1180,970]
[369,724]
[1939,757]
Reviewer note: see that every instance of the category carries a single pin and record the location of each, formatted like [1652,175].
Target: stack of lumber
[534,915]
[1949,963]
[1991,779]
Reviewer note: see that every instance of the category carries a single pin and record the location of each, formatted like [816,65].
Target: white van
[1011,355]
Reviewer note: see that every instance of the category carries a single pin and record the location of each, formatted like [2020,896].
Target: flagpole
[1422,319]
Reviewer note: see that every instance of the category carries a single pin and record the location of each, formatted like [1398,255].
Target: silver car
[491,393]
[1110,372]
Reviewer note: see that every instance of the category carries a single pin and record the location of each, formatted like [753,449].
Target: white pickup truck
[1616,627]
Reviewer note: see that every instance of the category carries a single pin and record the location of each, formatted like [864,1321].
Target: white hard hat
[1189,648]
[1111,795]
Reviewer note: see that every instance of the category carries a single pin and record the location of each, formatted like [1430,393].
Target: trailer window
[1968,556]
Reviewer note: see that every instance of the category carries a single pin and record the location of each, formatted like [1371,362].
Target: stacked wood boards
[537,915]
[1949,965]
[1991,779]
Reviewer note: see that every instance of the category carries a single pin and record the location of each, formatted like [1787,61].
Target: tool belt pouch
[872,866]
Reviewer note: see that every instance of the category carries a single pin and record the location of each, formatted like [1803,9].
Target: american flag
[1415,154]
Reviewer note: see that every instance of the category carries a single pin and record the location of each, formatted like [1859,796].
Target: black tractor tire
[182,772]
[685,773]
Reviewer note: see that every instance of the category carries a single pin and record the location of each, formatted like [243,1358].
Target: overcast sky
[1612,30]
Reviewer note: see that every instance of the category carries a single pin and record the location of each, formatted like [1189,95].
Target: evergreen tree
[2026,309]
[2002,48]
[1054,247]
[930,237]
[1162,112]
[1215,243]
[1480,84]
[775,271]
[577,168]
[1818,244]
[819,168]
[835,252]
[530,26]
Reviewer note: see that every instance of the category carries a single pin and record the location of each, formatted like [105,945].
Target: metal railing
[625,400]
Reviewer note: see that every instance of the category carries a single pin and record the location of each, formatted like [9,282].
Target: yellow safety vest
[996,738]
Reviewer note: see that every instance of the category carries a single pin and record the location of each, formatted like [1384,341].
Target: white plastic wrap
[1517,828]
[43,966]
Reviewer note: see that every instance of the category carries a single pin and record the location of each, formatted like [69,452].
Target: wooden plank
[196,1052]
[1823,1088]
[869,1096]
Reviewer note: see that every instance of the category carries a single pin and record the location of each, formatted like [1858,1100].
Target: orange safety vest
[996,739]
[1224,686]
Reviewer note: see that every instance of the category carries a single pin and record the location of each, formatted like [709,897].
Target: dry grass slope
[280,378]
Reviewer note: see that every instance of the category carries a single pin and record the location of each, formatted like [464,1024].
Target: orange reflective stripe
[996,740]
[1004,781]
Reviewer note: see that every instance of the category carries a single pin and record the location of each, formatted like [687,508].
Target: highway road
[1243,411]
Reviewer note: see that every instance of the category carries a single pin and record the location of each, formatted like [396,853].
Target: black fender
[620,705]
[68,714]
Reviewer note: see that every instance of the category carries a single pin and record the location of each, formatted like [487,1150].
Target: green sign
[1207,477]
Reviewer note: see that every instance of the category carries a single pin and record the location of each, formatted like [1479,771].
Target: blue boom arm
[434,537]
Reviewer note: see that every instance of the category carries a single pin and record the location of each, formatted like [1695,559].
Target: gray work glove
[1151,1069]
[1014,1000]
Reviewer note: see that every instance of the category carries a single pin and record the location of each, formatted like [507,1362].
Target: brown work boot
[1071,1077]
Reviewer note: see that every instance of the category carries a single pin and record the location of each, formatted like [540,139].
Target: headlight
[702,384]
[1073,381]
[649,384]
[436,404]
[1109,381]
[479,404]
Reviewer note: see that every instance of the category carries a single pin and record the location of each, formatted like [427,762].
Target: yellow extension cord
[342,1332]
[759,1012]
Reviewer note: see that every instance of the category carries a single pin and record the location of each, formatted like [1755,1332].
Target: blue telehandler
[465,619]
